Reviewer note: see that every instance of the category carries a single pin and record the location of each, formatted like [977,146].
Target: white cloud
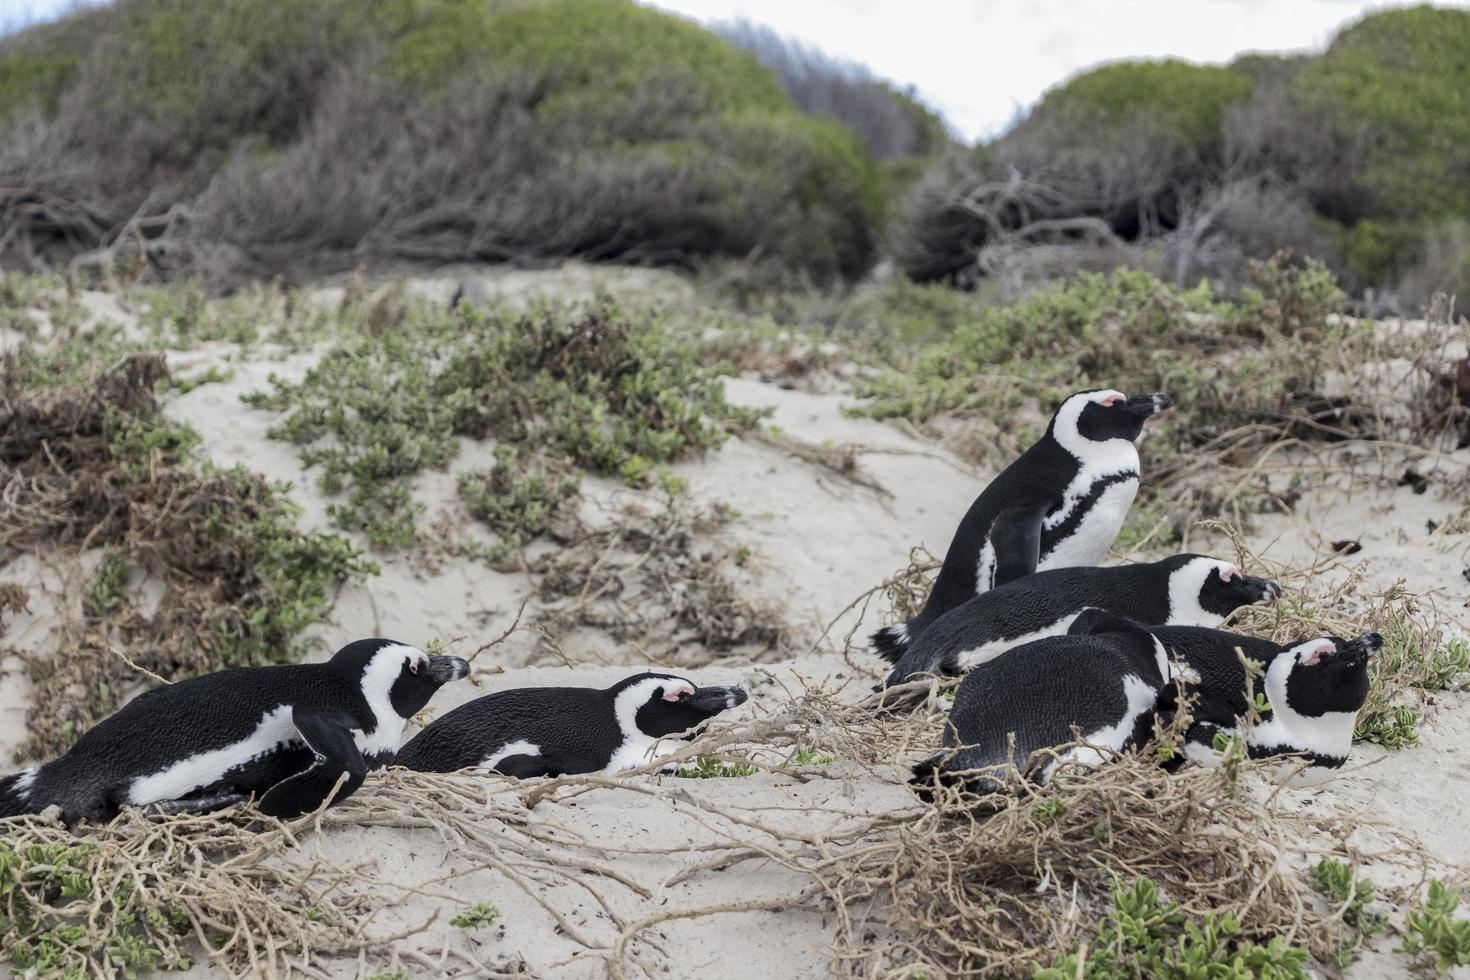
[980,63]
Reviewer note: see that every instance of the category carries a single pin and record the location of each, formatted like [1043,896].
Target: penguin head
[1104,415]
[658,705]
[1323,675]
[1204,590]
[396,676]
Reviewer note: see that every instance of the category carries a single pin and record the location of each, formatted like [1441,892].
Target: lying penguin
[1111,679]
[1190,590]
[555,731]
[284,734]
[1315,689]
[1106,686]
[1061,503]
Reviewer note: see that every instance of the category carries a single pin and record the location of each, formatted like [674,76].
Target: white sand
[818,541]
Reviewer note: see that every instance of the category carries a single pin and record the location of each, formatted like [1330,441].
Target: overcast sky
[980,63]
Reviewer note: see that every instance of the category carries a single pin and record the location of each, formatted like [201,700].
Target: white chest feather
[1141,699]
[634,753]
[1089,542]
[985,567]
[966,659]
[274,731]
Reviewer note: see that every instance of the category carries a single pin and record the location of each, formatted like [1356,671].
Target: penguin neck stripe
[1185,585]
[1096,460]
[1326,736]
[377,681]
[637,747]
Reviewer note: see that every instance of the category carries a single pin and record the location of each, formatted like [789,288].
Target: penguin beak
[1363,647]
[1263,589]
[713,700]
[446,669]
[1146,406]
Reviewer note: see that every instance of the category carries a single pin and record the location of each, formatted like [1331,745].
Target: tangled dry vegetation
[656,582]
[944,890]
[98,486]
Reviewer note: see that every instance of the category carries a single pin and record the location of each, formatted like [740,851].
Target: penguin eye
[413,665]
[1229,573]
[678,694]
[1110,401]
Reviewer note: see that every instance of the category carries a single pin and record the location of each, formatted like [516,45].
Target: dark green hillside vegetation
[247,138]
[1358,156]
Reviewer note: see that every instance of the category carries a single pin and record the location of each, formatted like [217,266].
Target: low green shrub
[1143,935]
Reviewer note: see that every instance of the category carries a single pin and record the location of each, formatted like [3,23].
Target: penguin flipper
[329,735]
[1016,537]
[526,766]
[1093,620]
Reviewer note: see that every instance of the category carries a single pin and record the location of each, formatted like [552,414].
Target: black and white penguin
[1315,688]
[1193,590]
[1104,685]
[555,731]
[1061,503]
[284,734]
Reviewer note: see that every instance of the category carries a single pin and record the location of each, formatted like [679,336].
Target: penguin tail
[891,641]
[15,797]
[935,774]
[928,776]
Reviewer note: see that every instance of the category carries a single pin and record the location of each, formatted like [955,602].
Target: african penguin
[1191,590]
[1061,503]
[1314,687]
[284,734]
[554,731]
[1106,686]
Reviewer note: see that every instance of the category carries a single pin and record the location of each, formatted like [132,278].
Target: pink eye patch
[1318,652]
[678,693]
[1229,573]
[1111,400]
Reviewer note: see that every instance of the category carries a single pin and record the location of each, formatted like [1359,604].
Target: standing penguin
[1104,685]
[284,734]
[1314,687]
[1060,504]
[1186,589]
[554,731]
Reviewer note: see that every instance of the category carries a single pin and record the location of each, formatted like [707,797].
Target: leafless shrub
[1273,135]
[1222,226]
[822,85]
[1443,268]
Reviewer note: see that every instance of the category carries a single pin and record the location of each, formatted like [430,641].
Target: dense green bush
[310,135]
[1403,77]
[558,388]
[1183,101]
[1359,156]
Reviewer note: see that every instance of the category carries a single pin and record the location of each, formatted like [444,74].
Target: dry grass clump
[956,892]
[246,892]
[99,485]
[657,579]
